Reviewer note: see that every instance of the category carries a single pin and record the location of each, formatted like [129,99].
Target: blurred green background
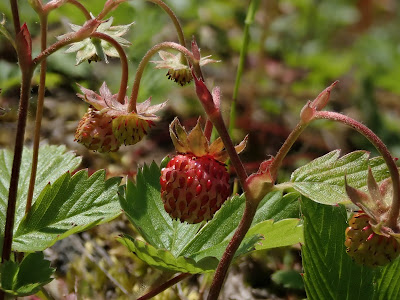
[297,48]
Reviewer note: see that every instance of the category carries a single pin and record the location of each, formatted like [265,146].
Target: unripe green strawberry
[108,123]
[194,188]
[95,132]
[182,76]
[195,183]
[365,246]
[129,129]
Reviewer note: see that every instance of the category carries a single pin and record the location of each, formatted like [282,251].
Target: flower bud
[322,100]
[307,113]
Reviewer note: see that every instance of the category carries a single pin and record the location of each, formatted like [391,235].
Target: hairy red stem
[144,62]
[164,286]
[124,63]
[15,15]
[230,251]
[208,129]
[15,171]
[383,150]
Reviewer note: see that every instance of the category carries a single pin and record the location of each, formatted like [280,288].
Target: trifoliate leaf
[163,259]
[144,208]
[53,162]
[71,204]
[286,232]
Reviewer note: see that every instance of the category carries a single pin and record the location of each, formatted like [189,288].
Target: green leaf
[53,161]
[163,259]
[69,205]
[329,273]
[322,180]
[388,282]
[144,208]
[8,274]
[6,34]
[26,278]
[282,233]
[217,233]
[276,207]
[289,279]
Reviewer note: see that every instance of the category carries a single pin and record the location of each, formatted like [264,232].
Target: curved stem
[219,125]
[112,4]
[211,106]
[285,148]
[124,63]
[87,29]
[81,8]
[174,20]
[51,49]
[39,112]
[208,129]
[109,6]
[53,5]
[230,251]
[164,286]
[383,150]
[144,62]
[248,215]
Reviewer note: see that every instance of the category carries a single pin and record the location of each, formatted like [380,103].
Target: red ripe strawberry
[195,183]
[194,188]
[365,246]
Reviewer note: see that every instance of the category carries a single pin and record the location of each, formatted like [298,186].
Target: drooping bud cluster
[178,70]
[107,124]
[92,49]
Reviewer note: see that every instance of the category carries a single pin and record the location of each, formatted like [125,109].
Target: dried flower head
[178,71]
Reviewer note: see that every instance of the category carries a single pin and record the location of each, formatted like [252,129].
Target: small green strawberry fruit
[365,246]
[95,132]
[108,124]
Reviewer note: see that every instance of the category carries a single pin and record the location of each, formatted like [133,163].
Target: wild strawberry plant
[188,219]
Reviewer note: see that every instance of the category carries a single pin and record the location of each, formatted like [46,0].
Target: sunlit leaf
[53,162]
[71,204]
[163,259]
[144,208]
[322,180]
[329,273]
